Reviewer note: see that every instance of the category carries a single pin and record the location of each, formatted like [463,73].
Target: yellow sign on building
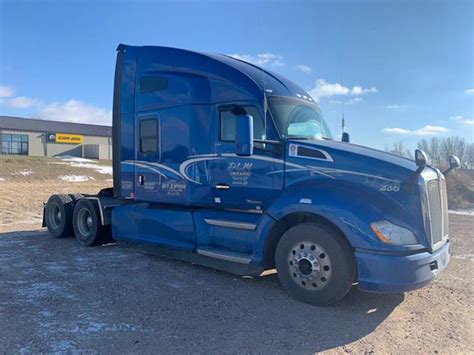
[69,138]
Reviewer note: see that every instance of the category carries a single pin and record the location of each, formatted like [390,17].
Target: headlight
[390,233]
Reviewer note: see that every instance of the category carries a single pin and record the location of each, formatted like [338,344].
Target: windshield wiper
[306,138]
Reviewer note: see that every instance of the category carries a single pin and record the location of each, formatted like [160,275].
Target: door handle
[141,179]
[222,187]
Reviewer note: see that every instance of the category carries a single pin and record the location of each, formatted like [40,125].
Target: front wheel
[315,264]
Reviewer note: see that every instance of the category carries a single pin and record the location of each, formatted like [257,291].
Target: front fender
[351,207]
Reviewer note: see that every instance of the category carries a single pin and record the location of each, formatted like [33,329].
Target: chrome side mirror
[244,135]
[454,163]
[421,159]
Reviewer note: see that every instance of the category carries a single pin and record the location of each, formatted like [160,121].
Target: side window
[152,83]
[148,136]
[228,125]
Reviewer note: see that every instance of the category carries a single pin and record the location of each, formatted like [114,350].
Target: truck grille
[438,209]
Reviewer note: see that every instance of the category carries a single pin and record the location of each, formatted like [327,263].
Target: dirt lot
[58,296]
[27,182]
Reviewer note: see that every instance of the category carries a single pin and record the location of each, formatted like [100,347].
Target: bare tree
[435,150]
[398,148]
[439,149]
[469,156]
[460,148]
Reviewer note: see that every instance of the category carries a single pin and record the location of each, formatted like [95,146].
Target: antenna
[343,122]
[264,106]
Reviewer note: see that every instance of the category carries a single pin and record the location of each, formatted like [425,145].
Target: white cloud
[6,91]
[21,102]
[396,131]
[428,130]
[393,107]
[357,90]
[469,91]
[352,101]
[355,100]
[262,59]
[324,89]
[461,119]
[69,111]
[75,111]
[304,68]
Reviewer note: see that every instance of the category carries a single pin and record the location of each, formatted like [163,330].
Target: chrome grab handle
[222,187]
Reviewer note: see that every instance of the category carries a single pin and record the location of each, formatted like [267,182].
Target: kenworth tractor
[219,162]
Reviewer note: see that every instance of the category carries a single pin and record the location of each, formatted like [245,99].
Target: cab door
[147,152]
[241,182]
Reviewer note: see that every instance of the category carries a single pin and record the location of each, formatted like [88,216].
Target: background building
[35,137]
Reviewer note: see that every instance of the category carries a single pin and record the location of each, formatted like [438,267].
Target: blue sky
[405,67]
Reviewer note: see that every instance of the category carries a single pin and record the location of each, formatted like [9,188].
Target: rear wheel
[315,264]
[58,215]
[87,225]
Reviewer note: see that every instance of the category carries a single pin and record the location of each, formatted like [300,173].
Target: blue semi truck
[222,163]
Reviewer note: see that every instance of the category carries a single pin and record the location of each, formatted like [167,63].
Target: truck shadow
[317,329]
[273,322]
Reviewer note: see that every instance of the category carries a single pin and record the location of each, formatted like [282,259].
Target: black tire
[58,215]
[86,222]
[315,264]
[76,197]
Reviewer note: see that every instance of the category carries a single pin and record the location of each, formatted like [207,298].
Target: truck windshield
[298,119]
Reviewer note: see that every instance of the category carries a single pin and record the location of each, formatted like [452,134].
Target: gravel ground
[58,296]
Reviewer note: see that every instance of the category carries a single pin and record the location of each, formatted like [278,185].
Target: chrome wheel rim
[309,265]
[84,222]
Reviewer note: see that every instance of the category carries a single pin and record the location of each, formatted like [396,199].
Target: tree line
[439,150]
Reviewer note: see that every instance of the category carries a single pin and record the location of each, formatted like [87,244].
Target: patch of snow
[76,159]
[62,346]
[74,178]
[85,163]
[39,289]
[23,172]
[26,172]
[462,212]
[101,169]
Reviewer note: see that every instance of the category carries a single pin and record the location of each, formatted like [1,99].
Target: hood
[361,152]
[349,162]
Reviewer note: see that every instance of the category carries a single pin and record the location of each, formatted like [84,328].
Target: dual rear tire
[67,215]
[58,215]
[87,224]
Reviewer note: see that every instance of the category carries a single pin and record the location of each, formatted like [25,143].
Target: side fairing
[124,120]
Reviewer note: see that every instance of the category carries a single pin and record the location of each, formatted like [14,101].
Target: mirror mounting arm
[421,160]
